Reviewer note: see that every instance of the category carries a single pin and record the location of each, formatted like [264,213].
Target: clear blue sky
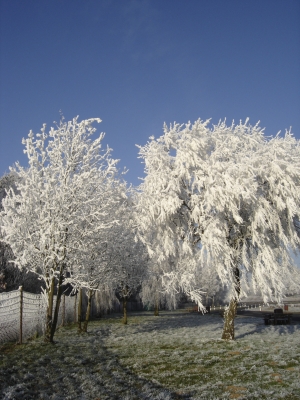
[137,64]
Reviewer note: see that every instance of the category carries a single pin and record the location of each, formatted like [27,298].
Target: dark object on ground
[278,311]
[278,318]
[196,309]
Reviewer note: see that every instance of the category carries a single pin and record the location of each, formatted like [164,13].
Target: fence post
[63,310]
[79,317]
[41,321]
[75,319]
[21,314]
[92,306]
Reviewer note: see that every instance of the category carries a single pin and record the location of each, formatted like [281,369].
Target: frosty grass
[178,355]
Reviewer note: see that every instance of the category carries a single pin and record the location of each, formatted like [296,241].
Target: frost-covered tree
[154,294]
[226,197]
[130,259]
[9,274]
[131,272]
[12,277]
[104,300]
[94,269]
[116,261]
[7,181]
[59,204]
[210,283]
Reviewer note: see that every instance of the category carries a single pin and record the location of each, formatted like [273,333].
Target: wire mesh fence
[9,315]
[23,314]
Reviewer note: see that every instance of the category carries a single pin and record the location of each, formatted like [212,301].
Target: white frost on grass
[177,355]
[184,353]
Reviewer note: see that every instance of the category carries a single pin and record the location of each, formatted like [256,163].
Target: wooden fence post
[21,315]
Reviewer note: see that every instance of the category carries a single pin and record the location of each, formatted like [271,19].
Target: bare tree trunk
[88,310]
[230,312]
[75,307]
[125,310]
[125,295]
[58,298]
[51,323]
[156,307]
[63,319]
[49,311]
[125,292]
[229,315]
[79,310]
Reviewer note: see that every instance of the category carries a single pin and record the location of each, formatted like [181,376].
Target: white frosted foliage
[222,197]
[63,204]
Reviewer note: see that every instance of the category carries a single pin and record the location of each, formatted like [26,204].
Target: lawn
[183,352]
[173,356]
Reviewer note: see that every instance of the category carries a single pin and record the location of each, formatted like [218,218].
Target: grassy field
[175,355]
[183,352]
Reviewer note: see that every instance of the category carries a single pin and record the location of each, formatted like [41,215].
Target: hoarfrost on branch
[226,197]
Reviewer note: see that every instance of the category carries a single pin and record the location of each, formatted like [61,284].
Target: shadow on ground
[76,367]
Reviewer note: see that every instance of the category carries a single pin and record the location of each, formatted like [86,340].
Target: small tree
[58,205]
[104,295]
[226,197]
[94,268]
[130,259]
[114,261]
[152,292]
[130,274]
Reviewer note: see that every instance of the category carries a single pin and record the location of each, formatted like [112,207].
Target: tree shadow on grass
[257,326]
[76,367]
[172,321]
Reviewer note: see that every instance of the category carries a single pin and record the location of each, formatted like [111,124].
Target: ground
[178,355]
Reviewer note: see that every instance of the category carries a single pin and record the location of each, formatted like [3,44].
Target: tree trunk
[125,294]
[229,315]
[156,307]
[79,310]
[230,311]
[88,310]
[58,298]
[125,310]
[63,319]
[49,311]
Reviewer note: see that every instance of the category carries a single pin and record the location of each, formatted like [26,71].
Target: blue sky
[137,64]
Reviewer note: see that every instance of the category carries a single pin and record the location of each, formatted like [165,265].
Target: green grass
[247,368]
[182,367]
[184,354]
